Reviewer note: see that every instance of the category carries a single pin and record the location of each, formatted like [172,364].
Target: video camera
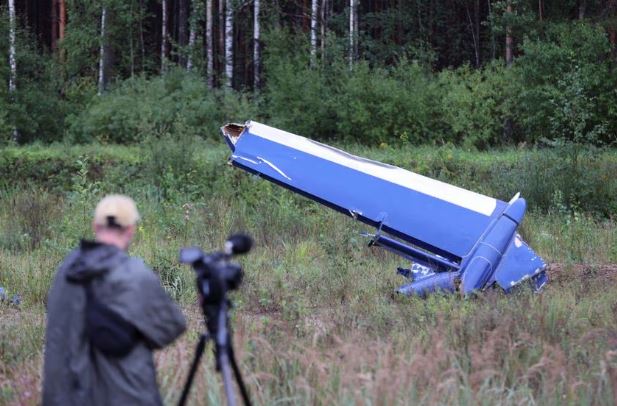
[216,274]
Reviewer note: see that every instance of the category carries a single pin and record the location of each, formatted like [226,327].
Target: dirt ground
[559,273]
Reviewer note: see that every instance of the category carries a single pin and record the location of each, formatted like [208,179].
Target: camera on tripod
[216,275]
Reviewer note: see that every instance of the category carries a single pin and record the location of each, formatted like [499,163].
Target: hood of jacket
[93,259]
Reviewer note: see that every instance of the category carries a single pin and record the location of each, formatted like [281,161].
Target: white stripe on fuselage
[452,194]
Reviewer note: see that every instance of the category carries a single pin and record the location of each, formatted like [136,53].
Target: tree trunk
[102,56]
[221,46]
[256,49]
[477,29]
[229,56]
[474,38]
[62,21]
[209,45]
[509,40]
[492,31]
[540,10]
[352,32]
[12,62]
[182,23]
[195,19]
[164,36]
[581,10]
[314,32]
[142,43]
[324,23]
[54,24]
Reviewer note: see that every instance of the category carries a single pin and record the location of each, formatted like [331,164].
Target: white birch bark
[256,50]
[12,60]
[209,45]
[189,59]
[229,56]
[102,53]
[194,20]
[314,4]
[164,36]
[352,32]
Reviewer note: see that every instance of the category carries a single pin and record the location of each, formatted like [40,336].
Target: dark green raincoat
[76,373]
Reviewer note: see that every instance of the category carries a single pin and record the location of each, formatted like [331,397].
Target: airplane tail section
[465,238]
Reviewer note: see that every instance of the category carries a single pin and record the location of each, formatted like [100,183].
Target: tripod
[217,322]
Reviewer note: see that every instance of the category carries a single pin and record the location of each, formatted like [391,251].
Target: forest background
[468,72]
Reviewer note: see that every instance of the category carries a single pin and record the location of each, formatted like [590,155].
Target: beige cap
[116,210]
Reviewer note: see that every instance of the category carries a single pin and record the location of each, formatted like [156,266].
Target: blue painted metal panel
[467,240]
[406,213]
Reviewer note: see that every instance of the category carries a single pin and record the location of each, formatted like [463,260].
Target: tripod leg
[234,365]
[226,373]
[199,350]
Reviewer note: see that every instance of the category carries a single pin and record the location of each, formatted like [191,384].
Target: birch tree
[209,46]
[12,61]
[352,32]
[256,50]
[164,36]
[195,19]
[314,4]
[102,56]
[229,31]
[221,45]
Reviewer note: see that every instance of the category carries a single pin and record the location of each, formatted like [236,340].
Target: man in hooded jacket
[99,284]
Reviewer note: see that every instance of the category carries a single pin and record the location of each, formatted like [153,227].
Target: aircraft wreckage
[457,240]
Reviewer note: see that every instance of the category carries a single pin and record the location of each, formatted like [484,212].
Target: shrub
[386,106]
[567,85]
[298,98]
[28,215]
[475,104]
[141,107]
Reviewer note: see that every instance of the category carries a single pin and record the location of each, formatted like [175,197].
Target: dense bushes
[567,86]
[140,108]
[561,87]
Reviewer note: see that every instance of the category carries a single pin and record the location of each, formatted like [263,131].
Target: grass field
[316,320]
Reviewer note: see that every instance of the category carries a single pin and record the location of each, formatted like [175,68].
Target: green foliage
[387,106]
[176,168]
[139,108]
[27,218]
[476,104]
[567,86]
[297,97]
[36,109]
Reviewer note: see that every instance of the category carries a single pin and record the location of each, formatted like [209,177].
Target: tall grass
[316,320]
